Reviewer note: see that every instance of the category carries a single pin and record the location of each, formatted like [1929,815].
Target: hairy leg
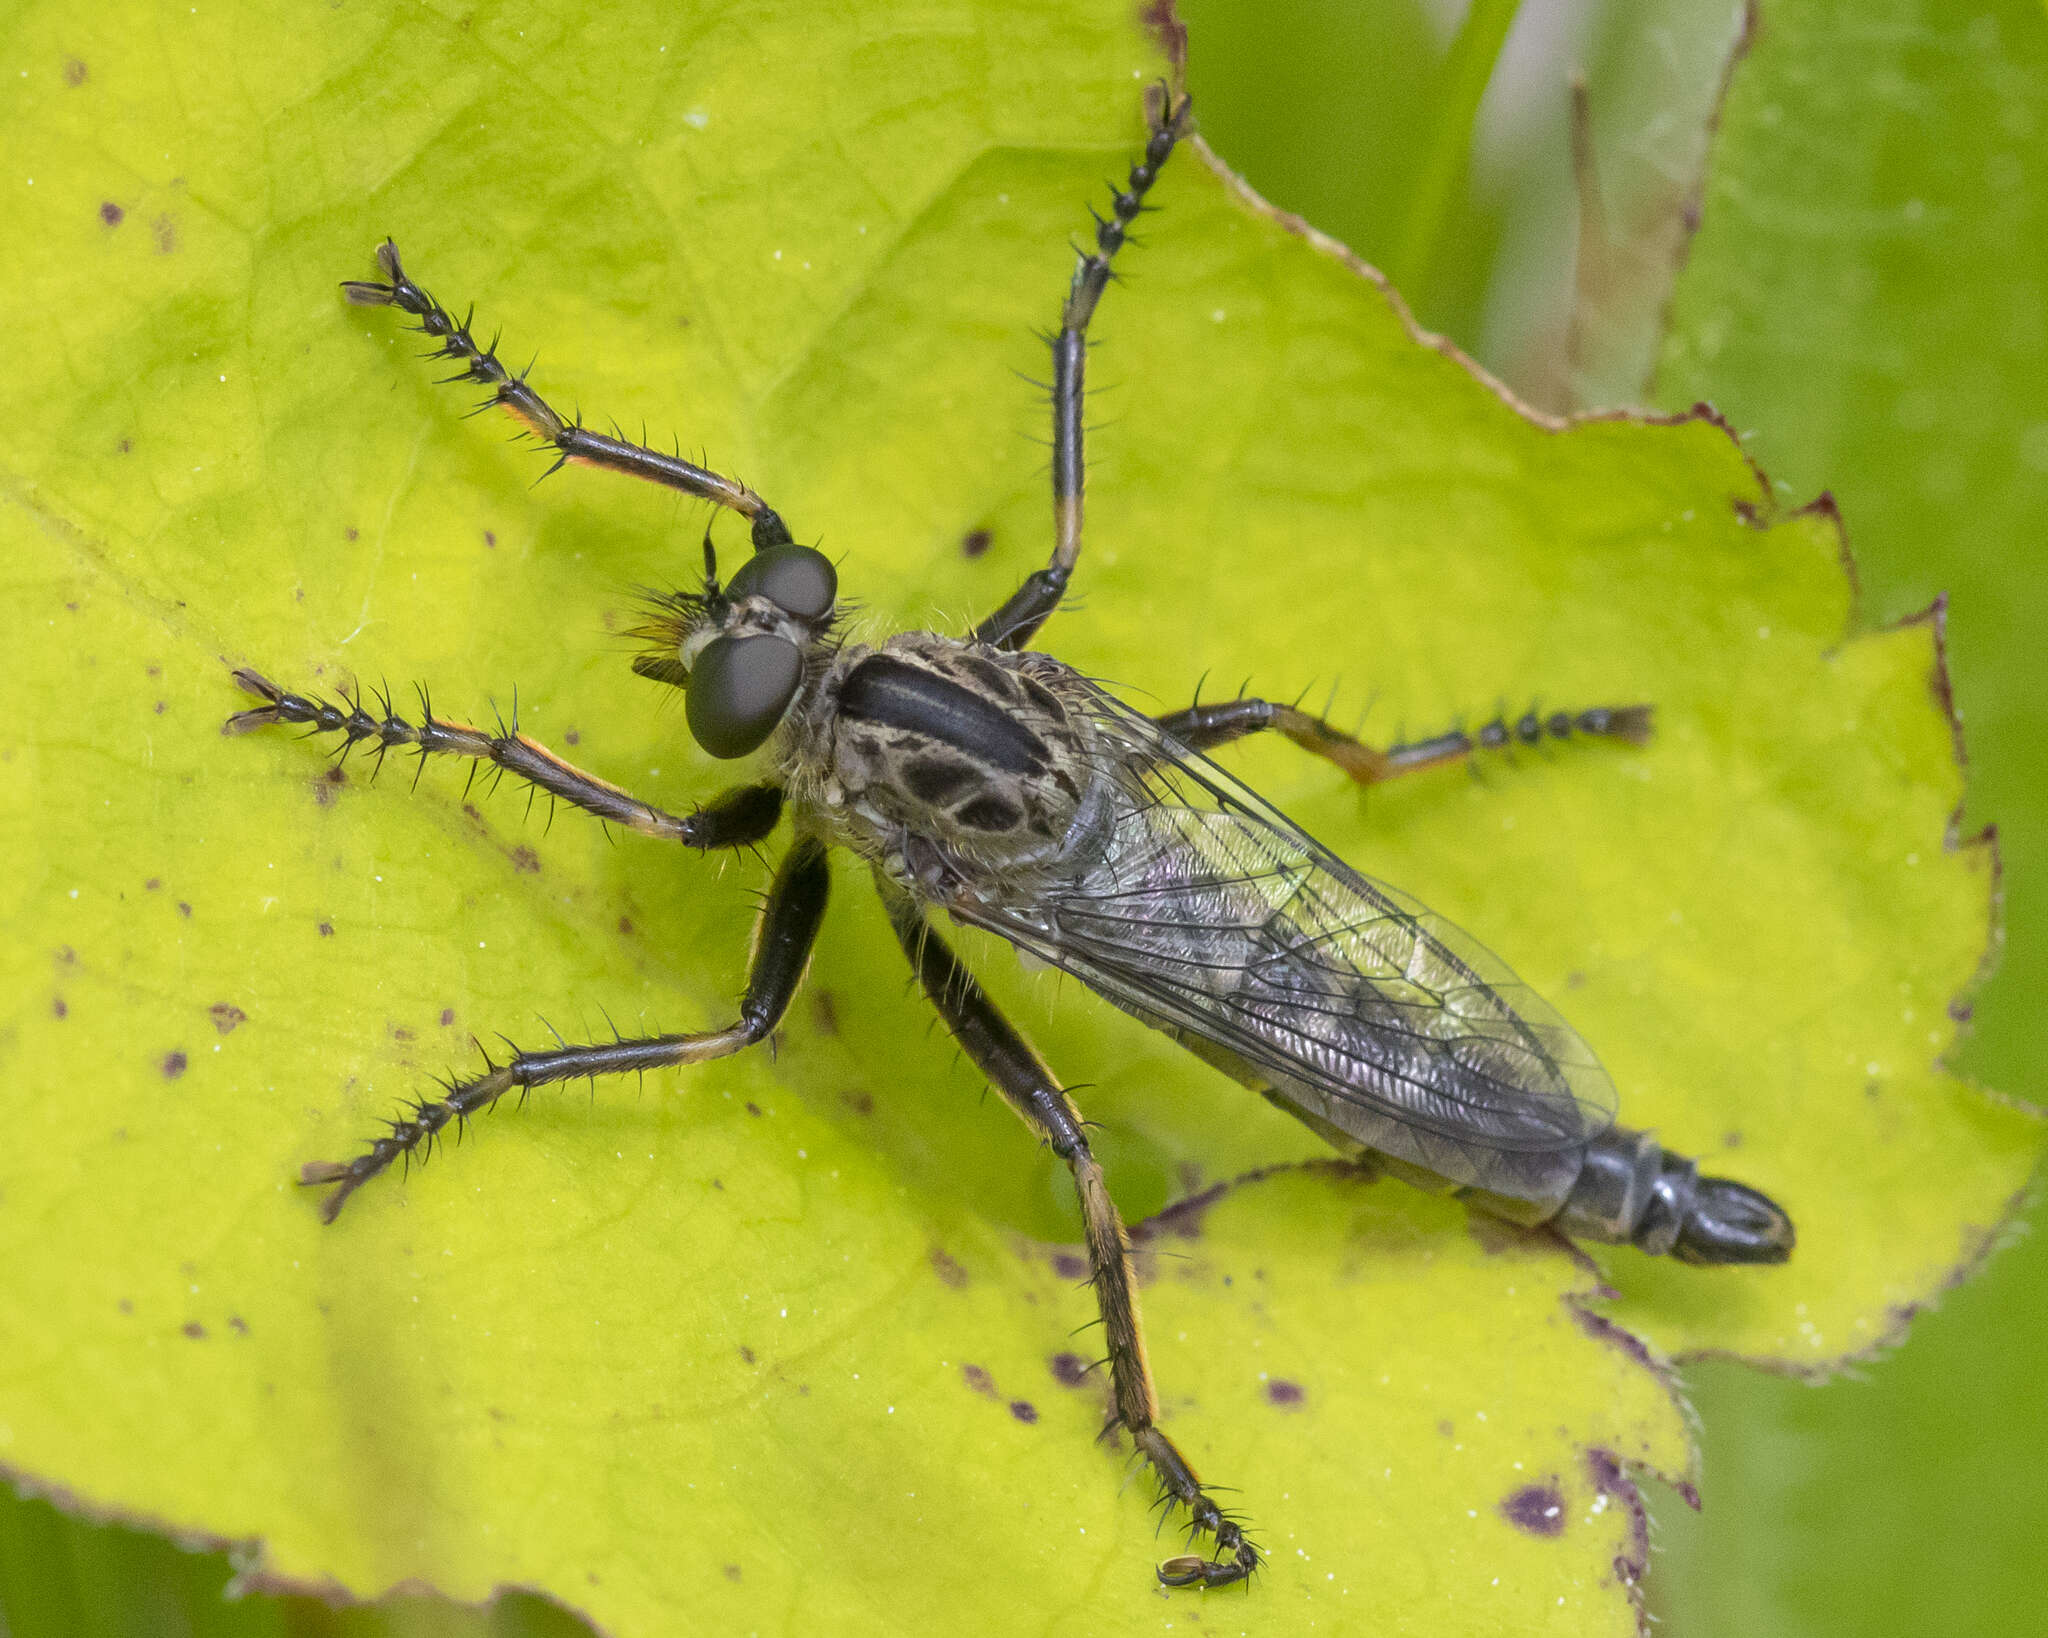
[1028,1086]
[1017,621]
[1203,727]
[789,926]
[733,819]
[570,439]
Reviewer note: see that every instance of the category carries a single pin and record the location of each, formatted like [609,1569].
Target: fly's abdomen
[1631,1191]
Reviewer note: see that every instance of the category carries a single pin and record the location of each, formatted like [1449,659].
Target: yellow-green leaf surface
[787,1341]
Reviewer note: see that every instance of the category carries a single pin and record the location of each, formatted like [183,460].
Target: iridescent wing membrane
[1209,914]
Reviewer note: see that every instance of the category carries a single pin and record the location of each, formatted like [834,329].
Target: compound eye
[799,580]
[739,688]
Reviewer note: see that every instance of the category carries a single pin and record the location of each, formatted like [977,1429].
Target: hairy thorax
[960,771]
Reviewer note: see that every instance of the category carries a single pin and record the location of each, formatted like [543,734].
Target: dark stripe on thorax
[884,690]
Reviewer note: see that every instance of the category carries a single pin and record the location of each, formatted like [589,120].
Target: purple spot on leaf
[1069,1370]
[1536,1508]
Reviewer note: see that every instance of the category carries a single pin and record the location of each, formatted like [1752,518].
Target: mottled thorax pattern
[956,766]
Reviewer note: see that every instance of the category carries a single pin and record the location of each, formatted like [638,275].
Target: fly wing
[1208,913]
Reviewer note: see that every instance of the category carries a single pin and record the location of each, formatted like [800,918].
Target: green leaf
[791,1334]
[1865,299]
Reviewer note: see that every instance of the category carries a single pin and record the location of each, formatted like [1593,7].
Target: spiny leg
[736,818]
[1203,727]
[789,926]
[1014,624]
[1021,1076]
[571,440]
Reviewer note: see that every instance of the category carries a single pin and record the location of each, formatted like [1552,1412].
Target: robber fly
[977,777]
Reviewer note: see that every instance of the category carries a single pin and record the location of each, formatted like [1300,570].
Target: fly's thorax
[956,766]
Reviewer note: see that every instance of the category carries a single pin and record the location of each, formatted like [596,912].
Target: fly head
[741,651]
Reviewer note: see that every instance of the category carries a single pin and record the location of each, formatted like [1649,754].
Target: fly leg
[734,819]
[789,926]
[1013,625]
[571,440]
[1204,727]
[1029,1088]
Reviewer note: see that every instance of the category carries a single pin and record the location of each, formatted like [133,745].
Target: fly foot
[1236,1558]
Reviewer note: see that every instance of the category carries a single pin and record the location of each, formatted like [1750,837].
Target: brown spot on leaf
[226,1015]
[1602,1329]
[326,929]
[173,1065]
[1535,1508]
[753,1109]
[151,885]
[1445,1426]
[824,1012]
[58,1009]
[571,737]
[625,924]
[978,1379]
[1069,1370]
[1183,1219]
[351,533]
[1024,1410]
[861,1103]
[1633,1562]
[976,542]
[1070,1265]
[732,1572]
[1283,1393]
[491,540]
[184,909]
[75,72]
[111,213]
[165,232]
[746,1353]
[238,1325]
[1172,34]
[524,859]
[194,1330]
[447,1016]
